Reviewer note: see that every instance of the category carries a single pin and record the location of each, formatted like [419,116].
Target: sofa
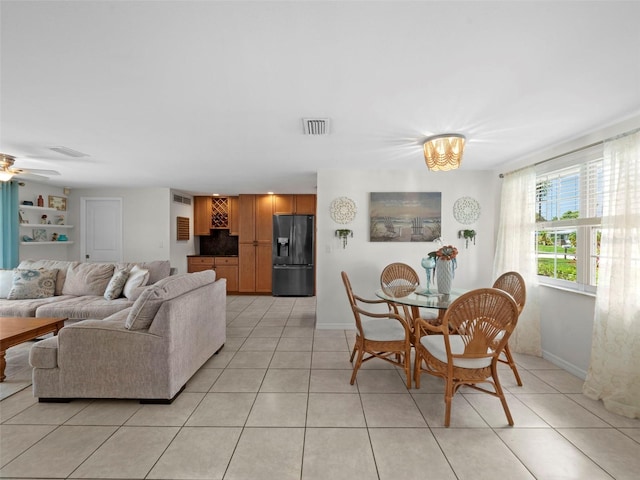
[78,291]
[147,351]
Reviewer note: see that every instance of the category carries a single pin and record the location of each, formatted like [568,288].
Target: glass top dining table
[416,301]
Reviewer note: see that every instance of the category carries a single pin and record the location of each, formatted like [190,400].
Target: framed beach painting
[405,216]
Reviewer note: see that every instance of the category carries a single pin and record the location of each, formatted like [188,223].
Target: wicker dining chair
[399,280]
[474,331]
[513,284]
[379,335]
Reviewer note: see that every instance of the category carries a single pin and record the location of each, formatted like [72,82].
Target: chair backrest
[352,301]
[513,284]
[484,318]
[399,280]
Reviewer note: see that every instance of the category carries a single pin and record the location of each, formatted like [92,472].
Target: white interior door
[101,230]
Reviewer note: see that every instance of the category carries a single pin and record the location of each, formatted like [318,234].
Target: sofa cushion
[6,282]
[86,306]
[138,277]
[88,279]
[116,284]
[61,265]
[147,305]
[33,283]
[27,308]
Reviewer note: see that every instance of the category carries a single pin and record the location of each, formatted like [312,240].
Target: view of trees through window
[569,208]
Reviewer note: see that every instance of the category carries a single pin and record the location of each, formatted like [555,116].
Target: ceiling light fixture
[444,152]
[6,176]
[6,164]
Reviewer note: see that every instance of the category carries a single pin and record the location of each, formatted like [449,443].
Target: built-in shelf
[44,225]
[66,242]
[43,209]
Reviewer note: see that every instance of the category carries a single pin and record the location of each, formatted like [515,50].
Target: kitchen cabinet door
[283,204]
[201,215]
[305,204]
[234,216]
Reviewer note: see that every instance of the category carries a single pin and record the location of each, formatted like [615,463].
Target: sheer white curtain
[515,251]
[614,372]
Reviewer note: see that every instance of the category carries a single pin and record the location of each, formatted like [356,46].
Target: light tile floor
[276,404]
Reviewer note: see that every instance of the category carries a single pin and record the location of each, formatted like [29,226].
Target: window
[569,193]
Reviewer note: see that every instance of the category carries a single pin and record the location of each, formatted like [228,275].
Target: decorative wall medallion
[466,210]
[343,210]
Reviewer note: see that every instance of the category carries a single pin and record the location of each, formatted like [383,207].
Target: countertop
[232,256]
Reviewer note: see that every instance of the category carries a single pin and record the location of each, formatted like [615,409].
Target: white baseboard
[563,364]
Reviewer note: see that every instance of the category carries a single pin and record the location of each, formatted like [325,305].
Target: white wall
[364,260]
[180,249]
[145,223]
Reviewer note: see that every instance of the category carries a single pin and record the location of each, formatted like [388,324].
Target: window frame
[588,165]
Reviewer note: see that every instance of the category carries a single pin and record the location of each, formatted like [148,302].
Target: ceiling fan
[8,171]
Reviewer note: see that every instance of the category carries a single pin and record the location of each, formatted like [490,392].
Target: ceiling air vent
[181,199]
[316,126]
[69,152]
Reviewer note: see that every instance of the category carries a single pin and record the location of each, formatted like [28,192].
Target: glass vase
[429,264]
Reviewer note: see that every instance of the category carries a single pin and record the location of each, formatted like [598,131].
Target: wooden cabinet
[210,213]
[305,204]
[284,204]
[225,267]
[294,204]
[199,264]
[254,243]
[234,214]
[201,215]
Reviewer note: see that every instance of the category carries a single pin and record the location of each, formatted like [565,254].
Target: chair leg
[500,394]
[353,353]
[448,396]
[512,364]
[407,368]
[357,365]
[417,363]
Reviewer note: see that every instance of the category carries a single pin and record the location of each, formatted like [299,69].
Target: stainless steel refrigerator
[293,269]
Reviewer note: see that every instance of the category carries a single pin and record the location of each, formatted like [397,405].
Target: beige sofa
[147,351]
[79,290]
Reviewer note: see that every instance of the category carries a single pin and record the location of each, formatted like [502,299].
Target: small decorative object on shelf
[59,203]
[62,238]
[39,235]
[43,219]
[40,201]
[59,219]
[344,233]
[54,237]
[467,235]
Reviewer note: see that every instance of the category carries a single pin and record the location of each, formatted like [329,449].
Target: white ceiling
[209,96]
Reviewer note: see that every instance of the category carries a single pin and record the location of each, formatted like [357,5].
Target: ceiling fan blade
[40,170]
[30,176]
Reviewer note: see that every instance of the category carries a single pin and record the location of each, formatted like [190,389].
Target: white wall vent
[69,152]
[180,199]
[316,126]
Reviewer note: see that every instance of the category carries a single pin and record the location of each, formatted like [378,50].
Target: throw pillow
[116,285]
[138,277]
[29,284]
[88,279]
[6,281]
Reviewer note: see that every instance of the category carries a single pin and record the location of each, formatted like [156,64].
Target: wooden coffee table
[16,330]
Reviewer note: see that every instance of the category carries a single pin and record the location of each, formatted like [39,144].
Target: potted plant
[343,234]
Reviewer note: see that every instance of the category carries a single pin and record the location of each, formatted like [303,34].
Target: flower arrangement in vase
[446,265]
